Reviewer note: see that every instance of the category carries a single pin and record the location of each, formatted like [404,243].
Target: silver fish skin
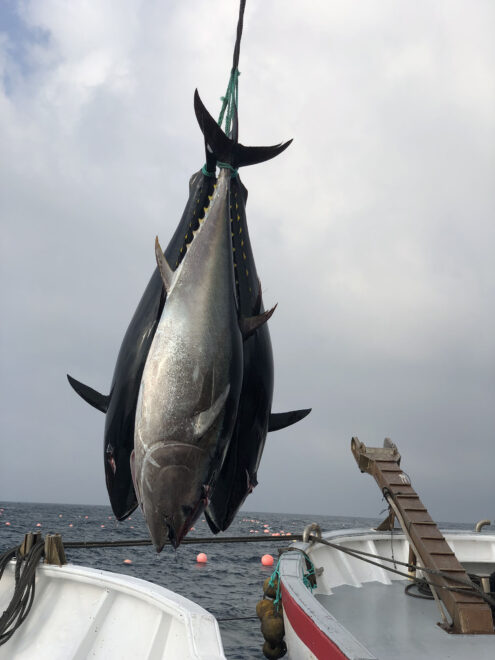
[191,382]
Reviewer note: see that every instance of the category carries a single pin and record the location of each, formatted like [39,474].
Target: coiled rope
[22,600]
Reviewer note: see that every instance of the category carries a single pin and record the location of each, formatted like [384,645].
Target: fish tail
[224,148]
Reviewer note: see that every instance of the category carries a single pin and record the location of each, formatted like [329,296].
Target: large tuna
[120,404]
[238,475]
[191,382]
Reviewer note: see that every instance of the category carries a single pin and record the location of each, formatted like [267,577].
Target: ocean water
[228,585]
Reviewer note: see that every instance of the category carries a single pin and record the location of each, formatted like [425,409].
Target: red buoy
[201,558]
[267,560]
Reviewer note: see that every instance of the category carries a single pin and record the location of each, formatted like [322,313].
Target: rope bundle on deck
[25,571]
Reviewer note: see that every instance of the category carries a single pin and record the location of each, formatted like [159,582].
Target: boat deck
[409,629]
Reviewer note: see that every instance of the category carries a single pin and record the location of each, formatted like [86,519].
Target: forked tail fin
[227,150]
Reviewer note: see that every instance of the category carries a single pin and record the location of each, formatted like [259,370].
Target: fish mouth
[175,526]
[172,499]
[177,533]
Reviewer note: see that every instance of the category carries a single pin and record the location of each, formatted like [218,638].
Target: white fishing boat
[83,613]
[355,610]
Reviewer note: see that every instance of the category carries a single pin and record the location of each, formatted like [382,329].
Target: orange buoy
[7,523]
[267,560]
[127,561]
[267,531]
[102,526]
[38,524]
[70,524]
[201,558]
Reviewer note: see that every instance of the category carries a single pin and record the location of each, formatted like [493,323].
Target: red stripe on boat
[308,632]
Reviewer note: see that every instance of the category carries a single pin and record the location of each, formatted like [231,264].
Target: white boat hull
[81,612]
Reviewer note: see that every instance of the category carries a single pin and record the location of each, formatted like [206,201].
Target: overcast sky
[374,231]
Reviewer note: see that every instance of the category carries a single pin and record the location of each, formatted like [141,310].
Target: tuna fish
[120,404]
[191,382]
[238,475]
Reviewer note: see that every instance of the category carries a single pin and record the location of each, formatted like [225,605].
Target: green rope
[230,100]
[227,166]
[229,107]
[275,578]
[206,173]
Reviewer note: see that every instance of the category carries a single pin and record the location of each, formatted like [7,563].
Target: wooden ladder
[469,612]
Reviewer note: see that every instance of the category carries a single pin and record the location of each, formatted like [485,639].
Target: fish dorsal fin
[283,420]
[165,271]
[91,396]
[206,418]
[249,324]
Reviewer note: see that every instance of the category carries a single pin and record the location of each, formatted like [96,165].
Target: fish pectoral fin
[91,396]
[206,418]
[249,324]
[166,272]
[279,421]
